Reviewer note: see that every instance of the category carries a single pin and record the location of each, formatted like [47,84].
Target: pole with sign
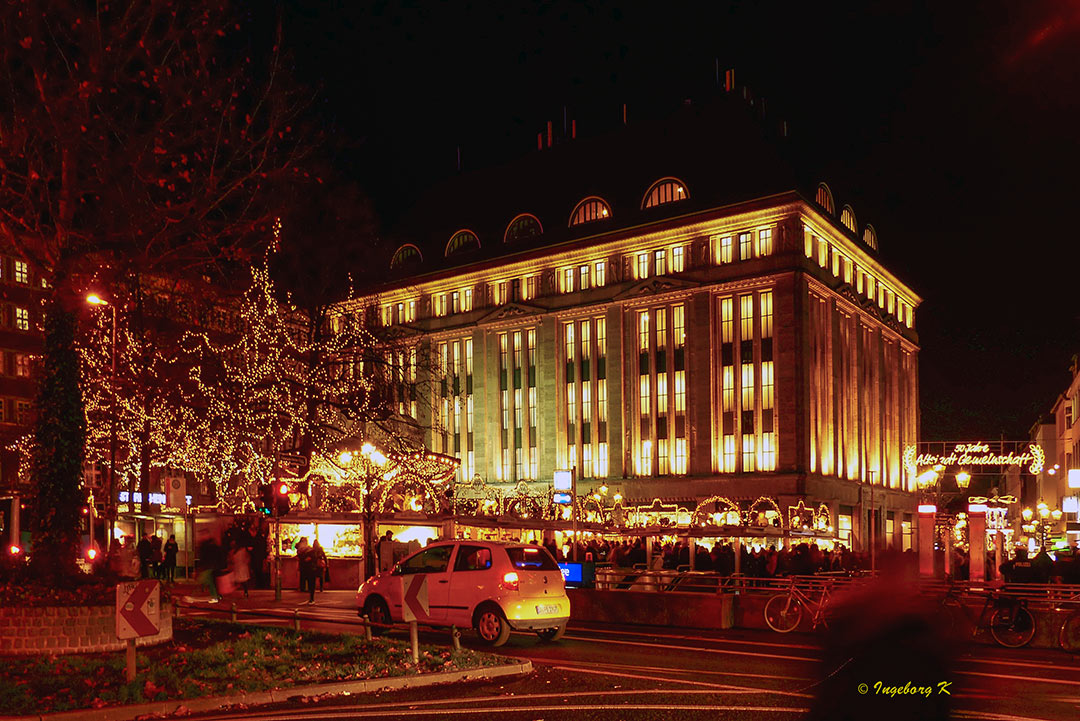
[138,613]
[565,486]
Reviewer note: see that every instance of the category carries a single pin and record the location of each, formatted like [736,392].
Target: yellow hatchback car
[493,587]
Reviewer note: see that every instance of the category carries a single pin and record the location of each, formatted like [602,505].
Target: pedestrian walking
[308,566]
[240,566]
[322,565]
[168,560]
[210,563]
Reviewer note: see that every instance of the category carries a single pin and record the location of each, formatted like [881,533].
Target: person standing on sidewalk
[168,565]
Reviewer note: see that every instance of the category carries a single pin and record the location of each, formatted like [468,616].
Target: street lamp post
[111,506]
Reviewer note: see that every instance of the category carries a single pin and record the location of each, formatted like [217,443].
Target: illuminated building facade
[1057,486]
[671,312]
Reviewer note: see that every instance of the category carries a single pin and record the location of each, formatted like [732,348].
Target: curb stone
[278,695]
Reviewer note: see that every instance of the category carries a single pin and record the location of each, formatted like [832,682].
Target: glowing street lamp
[963,480]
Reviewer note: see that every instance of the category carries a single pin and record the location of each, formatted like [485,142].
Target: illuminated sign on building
[155,498]
[957,456]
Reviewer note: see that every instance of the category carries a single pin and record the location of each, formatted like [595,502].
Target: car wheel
[491,625]
[377,613]
[552,634]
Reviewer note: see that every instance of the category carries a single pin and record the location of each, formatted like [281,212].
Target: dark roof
[721,151]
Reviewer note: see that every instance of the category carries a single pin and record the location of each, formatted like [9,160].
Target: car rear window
[531,558]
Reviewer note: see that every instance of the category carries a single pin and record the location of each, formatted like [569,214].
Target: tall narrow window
[745,248]
[767,458]
[746,385]
[566,281]
[642,266]
[765,241]
[677,259]
[583,277]
[724,250]
[467,306]
[727,356]
[598,267]
[660,262]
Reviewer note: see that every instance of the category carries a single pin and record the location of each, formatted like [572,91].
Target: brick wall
[58,630]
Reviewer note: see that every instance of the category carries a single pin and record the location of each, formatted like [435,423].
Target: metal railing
[235,613]
[704,582]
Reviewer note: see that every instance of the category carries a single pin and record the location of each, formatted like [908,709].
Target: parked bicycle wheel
[783,613]
[1012,628]
[1069,636]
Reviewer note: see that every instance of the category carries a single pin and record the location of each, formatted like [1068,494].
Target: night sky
[953,130]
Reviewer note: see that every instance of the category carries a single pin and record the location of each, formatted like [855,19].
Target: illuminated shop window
[666,190]
[843,525]
[523,227]
[589,210]
[462,241]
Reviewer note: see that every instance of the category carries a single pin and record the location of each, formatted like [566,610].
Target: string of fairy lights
[223,404]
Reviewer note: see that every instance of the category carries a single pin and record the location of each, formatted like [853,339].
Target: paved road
[601,672]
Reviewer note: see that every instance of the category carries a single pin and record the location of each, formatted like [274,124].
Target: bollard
[233,611]
[414,641]
[367,628]
[296,619]
[455,637]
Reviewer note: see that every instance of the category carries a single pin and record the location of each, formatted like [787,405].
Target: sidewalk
[188,593]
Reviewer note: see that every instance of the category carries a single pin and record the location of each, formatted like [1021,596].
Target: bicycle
[1069,633]
[1009,621]
[784,611]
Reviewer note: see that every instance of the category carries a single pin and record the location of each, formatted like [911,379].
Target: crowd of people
[149,558]
[756,561]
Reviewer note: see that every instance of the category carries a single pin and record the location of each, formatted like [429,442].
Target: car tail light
[510,582]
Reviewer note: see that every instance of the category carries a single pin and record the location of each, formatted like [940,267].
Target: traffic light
[281,497]
[266,498]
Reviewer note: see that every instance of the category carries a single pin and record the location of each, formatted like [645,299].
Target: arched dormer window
[590,209]
[847,219]
[407,254]
[462,241]
[824,199]
[665,190]
[869,236]
[523,227]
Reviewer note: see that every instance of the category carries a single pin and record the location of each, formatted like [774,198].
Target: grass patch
[215,658]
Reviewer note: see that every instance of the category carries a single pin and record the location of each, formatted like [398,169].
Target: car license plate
[547,609]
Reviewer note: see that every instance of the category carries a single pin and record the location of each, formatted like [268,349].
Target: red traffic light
[14,550]
[283,489]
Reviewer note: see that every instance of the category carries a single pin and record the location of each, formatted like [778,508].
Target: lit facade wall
[745,351]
